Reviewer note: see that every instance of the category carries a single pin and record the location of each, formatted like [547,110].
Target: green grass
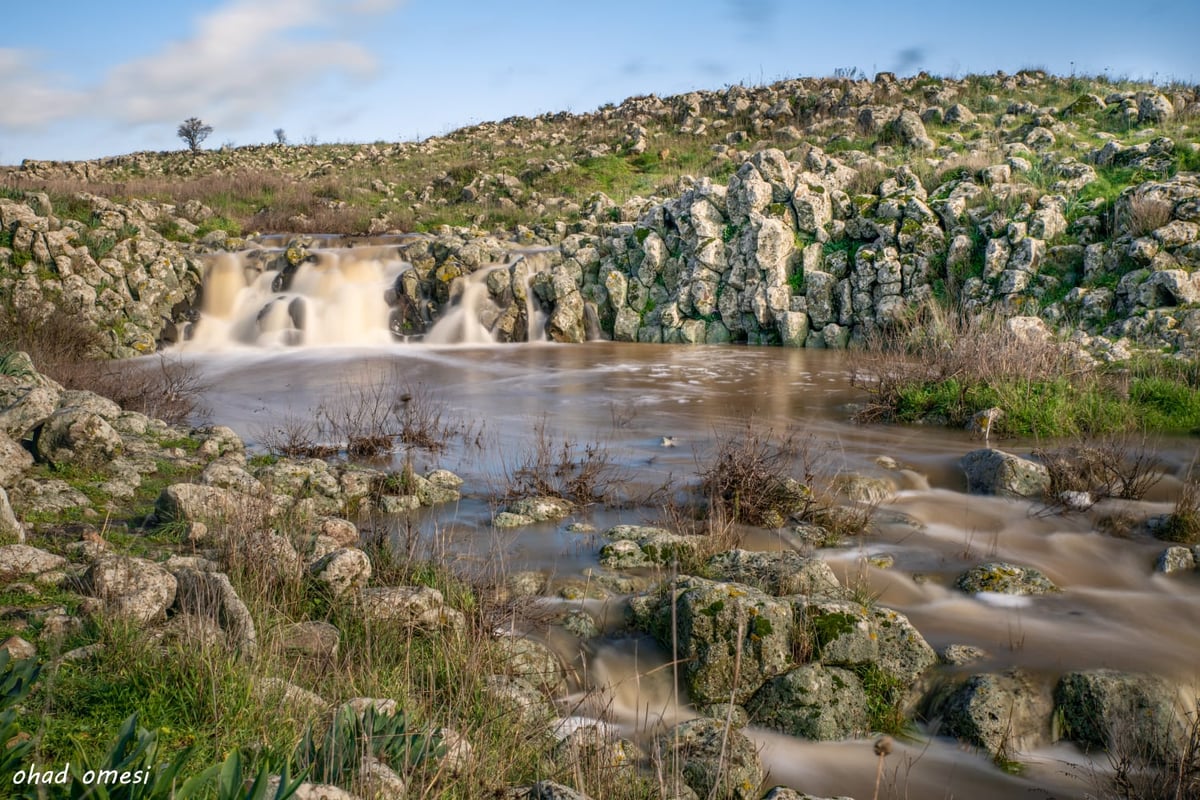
[1056,408]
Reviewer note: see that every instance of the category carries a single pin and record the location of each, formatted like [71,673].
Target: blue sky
[84,80]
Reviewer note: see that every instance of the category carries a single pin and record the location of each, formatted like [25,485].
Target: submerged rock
[1004,578]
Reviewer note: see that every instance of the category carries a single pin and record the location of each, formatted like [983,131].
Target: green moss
[828,628]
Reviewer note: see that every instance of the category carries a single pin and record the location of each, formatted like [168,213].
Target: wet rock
[541,509]
[652,546]
[863,488]
[715,621]
[1004,578]
[22,561]
[1122,712]
[996,472]
[343,571]
[777,573]
[711,762]
[849,634]
[1004,713]
[962,654]
[211,595]
[131,588]
[813,702]
[1175,559]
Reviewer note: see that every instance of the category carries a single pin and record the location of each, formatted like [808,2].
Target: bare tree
[193,131]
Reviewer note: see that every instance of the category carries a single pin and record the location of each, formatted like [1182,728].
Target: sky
[83,80]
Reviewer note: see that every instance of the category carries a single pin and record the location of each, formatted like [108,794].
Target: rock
[654,546]
[18,648]
[813,702]
[595,746]
[312,791]
[21,560]
[47,497]
[1175,559]
[962,654]
[1004,713]
[507,519]
[847,634]
[1003,578]
[379,781]
[343,571]
[413,606]
[777,573]
[132,588]
[909,131]
[14,460]
[11,530]
[211,595]
[296,702]
[864,489]
[518,697]
[533,662]
[194,502]
[786,793]
[23,409]
[1121,712]
[996,472]
[232,476]
[715,620]
[1153,107]
[541,509]
[549,790]
[79,437]
[193,632]
[579,623]
[711,762]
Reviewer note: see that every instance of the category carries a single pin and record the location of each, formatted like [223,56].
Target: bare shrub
[1183,524]
[747,477]
[1139,774]
[1115,467]
[582,474]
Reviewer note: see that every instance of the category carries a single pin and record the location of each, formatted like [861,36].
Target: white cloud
[30,101]
[243,58]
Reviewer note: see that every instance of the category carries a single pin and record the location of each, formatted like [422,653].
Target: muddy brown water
[1113,611]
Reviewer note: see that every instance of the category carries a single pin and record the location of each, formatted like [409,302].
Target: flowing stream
[1114,611]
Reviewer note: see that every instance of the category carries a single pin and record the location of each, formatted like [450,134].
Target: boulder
[651,546]
[1003,713]
[1003,578]
[813,702]
[712,761]
[909,131]
[194,502]
[132,588]
[14,460]
[344,571]
[516,696]
[777,573]
[1173,559]
[541,509]
[715,621]
[23,561]
[996,472]
[533,662]
[848,634]
[211,595]
[79,437]
[1121,712]
[24,408]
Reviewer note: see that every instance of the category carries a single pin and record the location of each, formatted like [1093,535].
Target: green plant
[351,736]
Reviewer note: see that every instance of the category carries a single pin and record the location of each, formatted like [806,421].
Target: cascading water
[365,296]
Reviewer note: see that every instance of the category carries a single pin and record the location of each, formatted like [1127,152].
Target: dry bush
[1145,215]
[747,477]
[71,351]
[583,475]
[1138,774]
[1183,524]
[1115,467]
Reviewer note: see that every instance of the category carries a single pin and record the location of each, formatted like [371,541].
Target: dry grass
[1183,524]
[1137,774]
[747,479]
[1145,215]
[583,474]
